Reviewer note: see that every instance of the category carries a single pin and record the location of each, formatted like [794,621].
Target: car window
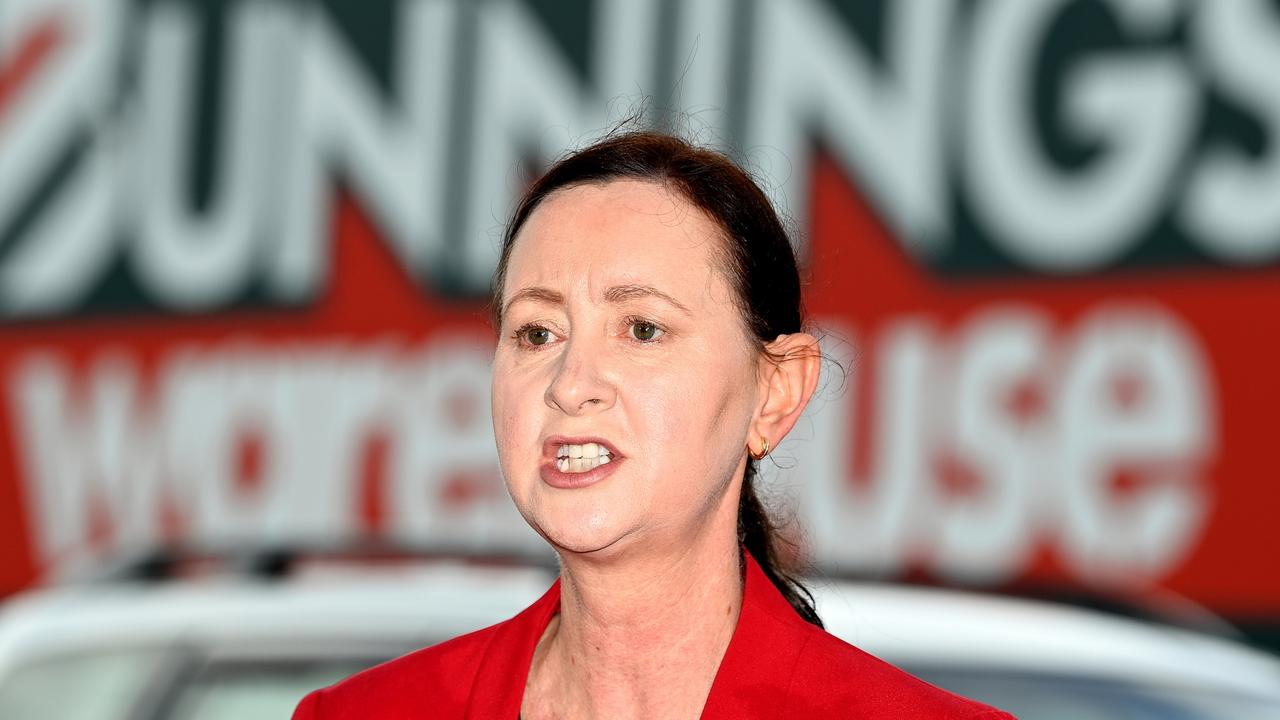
[1052,697]
[253,690]
[98,686]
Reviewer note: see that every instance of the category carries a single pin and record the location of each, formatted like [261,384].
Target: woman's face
[620,339]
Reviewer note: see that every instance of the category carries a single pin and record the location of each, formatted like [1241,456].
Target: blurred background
[245,247]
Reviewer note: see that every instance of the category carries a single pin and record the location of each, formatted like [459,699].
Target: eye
[645,331]
[533,335]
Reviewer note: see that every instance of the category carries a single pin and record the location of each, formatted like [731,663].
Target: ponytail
[760,536]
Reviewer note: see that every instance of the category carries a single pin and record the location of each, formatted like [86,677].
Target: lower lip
[552,475]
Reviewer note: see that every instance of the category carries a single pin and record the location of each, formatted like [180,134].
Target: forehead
[589,237]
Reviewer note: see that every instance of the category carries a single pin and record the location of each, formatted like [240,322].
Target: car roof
[938,628]
[385,608]
[382,611]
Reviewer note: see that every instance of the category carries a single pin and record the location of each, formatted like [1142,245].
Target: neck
[641,636]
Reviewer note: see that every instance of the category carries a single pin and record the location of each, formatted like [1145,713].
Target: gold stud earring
[764,450]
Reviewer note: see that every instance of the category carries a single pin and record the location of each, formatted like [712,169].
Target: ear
[787,379]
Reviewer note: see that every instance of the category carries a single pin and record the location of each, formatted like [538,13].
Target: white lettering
[91,460]
[65,99]
[871,522]
[393,152]
[1134,409]
[190,260]
[985,532]
[530,106]
[1141,107]
[886,126]
[445,454]
[1231,206]
[1104,463]
[253,444]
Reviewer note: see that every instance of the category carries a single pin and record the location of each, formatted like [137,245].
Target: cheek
[514,406]
[696,420]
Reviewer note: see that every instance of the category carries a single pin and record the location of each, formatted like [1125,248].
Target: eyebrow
[615,294]
[622,293]
[536,294]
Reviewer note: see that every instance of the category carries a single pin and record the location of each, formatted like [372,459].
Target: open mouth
[582,458]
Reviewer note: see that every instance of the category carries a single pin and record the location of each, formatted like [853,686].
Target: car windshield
[165,684]
[1031,696]
[251,690]
[87,686]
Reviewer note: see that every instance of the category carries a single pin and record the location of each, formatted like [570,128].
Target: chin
[581,532]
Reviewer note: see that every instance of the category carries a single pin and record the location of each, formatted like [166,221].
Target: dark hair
[759,262]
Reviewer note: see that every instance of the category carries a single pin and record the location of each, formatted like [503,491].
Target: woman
[650,353]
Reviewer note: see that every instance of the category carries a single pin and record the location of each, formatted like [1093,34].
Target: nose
[580,385]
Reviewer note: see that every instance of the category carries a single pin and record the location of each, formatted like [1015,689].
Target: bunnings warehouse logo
[185,156]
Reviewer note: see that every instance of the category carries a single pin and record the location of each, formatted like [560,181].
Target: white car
[1046,661]
[228,646]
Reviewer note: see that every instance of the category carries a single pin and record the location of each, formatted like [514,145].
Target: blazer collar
[757,667]
[767,638]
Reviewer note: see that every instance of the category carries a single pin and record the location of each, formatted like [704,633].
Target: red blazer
[777,666]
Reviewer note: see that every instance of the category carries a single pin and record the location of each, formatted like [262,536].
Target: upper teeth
[586,450]
[581,458]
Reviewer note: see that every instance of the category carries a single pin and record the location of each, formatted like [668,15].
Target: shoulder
[472,673]
[835,679]
[434,681]
[801,670]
